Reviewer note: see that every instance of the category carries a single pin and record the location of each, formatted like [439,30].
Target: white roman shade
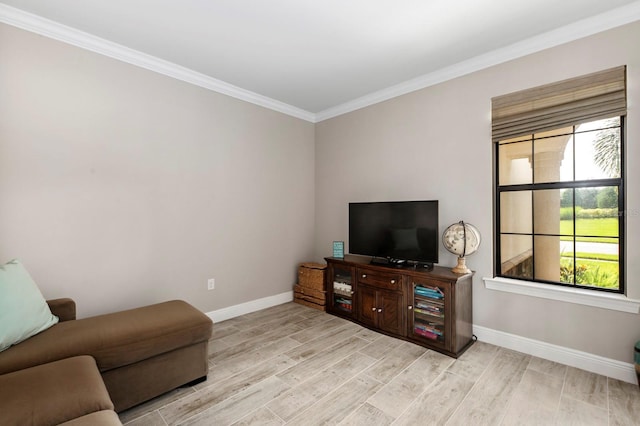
[573,101]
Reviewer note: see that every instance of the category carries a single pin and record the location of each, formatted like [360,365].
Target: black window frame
[573,184]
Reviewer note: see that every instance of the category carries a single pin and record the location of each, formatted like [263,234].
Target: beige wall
[121,187]
[436,144]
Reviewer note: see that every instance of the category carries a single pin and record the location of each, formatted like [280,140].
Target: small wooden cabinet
[431,308]
[380,299]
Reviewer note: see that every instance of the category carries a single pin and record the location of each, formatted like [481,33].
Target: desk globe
[461,239]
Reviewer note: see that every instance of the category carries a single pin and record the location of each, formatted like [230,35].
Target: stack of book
[343,303]
[436,311]
[428,331]
[432,292]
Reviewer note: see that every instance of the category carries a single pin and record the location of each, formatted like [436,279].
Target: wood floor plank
[381,346]
[331,355]
[151,419]
[340,403]
[308,312]
[572,412]
[301,397]
[368,415]
[262,332]
[215,347]
[535,400]
[317,330]
[224,369]
[217,392]
[487,402]
[263,339]
[261,417]
[395,361]
[438,402]
[547,367]
[238,406]
[474,361]
[313,347]
[369,335]
[308,322]
[586,387]
[223,329]
[624,402]
[394,398]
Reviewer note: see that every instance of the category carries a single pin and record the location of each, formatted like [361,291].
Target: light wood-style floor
[295,365]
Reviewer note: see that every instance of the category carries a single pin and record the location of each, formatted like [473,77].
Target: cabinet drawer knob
[373,309]
[379,309]
[364,275]
[393,281]
[410,307]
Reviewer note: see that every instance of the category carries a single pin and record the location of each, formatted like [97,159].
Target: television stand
[429,307]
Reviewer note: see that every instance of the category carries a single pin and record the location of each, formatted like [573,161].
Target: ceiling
[316,59]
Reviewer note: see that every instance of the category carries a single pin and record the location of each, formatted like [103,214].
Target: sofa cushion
[116,339]
[99,418]
[23,310]
[53,393]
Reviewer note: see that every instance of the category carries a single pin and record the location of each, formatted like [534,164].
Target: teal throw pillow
[23,310]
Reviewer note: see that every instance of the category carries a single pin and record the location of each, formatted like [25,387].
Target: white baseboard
[248,307]
[594,363]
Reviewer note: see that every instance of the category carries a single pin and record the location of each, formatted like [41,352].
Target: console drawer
[379,279]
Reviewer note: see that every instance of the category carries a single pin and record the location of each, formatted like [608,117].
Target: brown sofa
[69,391]
[140,353]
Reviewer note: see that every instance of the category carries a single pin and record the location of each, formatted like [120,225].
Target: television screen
[401,230]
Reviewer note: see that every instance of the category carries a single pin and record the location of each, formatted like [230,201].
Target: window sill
[613,302]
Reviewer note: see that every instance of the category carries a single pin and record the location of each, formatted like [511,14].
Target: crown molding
[584,28]
[51,29]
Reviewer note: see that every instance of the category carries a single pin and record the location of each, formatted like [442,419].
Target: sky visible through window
[584,155]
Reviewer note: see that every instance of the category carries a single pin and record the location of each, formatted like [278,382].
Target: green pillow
[23,310]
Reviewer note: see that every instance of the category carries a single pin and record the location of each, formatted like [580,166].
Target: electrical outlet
[211,284]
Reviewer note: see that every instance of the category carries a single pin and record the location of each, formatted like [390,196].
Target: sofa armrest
[64,308]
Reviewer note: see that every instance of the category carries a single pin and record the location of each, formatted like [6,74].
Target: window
[559,179]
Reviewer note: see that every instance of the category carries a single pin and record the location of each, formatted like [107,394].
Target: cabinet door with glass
[340,290]
[428,310]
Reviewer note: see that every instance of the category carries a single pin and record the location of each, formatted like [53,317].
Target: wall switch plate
[211,284]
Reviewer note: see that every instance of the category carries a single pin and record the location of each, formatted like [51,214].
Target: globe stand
[461,267]
[461,239]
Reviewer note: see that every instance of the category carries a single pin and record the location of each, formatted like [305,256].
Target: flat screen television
[395,232]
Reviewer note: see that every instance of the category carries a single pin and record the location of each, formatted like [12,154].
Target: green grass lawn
[591,256]
[606,227]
